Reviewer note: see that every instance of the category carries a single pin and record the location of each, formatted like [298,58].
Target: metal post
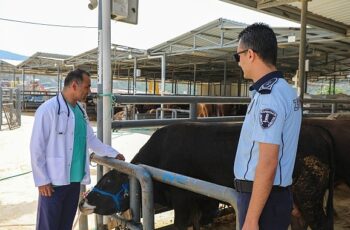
[18,106]
[334,82]
[334,108]
[23,103]
[14,78]
[162,89]
[193,111]
[146,85]
[239,84]
[58,80]
[135,72]
[135,199]
[194,78]
[225,76]
[99,118]
[83,220]
[302,49]
[106,72]
[11,102]
[128,81]
[106,54]
[154,85]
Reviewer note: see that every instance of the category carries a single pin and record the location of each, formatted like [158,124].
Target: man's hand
[120,157]
[46,190]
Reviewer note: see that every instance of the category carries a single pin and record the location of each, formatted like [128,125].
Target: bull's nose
[85,208]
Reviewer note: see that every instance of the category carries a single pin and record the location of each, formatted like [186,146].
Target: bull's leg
[309,191]
[182,205]
[297,221]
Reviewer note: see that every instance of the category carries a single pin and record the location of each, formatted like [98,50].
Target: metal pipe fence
[10,107]
[144,173]
[194,100]
[205,188]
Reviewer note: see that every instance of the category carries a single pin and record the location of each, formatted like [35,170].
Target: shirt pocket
[56,167]
[62,123]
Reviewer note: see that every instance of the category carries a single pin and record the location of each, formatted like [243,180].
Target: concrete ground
[18,195]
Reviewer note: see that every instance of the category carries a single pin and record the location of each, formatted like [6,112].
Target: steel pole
[106,72]
[99,219]
[302,49]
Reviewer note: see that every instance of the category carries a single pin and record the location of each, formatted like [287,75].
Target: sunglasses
[236,56]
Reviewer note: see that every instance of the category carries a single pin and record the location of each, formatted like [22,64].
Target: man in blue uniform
[269,138]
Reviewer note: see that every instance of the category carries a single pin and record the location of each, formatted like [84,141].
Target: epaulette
[266,88]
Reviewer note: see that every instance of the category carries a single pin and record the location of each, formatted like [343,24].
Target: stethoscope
[59,106]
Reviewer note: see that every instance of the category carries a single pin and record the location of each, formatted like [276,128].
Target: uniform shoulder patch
[267,118]
[266,88]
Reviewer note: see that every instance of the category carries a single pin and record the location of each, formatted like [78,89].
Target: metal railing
[10,107]
[144,173]
[146,183]
[194,100]
[191,100]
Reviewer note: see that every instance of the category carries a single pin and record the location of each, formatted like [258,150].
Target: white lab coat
[51,145]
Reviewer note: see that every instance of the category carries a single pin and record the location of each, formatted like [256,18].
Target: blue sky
[159,20]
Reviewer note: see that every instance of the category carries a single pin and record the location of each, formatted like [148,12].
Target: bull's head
[109,196]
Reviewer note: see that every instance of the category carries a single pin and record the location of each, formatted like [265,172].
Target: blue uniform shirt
[273,116]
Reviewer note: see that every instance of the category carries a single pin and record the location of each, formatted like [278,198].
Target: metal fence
[144,173]
[10,107]
[312,108]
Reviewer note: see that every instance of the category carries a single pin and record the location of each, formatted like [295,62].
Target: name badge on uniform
[267,118]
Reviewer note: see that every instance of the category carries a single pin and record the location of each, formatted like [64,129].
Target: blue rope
[116,197]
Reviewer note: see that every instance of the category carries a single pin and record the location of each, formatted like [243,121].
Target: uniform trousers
[57,211]
[276,214]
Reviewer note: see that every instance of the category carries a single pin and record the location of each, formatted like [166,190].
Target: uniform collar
[266,82]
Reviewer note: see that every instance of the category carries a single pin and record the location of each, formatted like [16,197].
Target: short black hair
[261,39]
[75,75]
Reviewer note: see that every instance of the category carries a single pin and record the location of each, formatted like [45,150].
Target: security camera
[93,4]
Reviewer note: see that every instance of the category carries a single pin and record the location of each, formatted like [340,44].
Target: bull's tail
[330,207]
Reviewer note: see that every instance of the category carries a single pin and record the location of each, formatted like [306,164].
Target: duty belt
[247,186]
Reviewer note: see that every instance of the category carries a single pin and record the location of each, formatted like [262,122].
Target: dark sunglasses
[236,56]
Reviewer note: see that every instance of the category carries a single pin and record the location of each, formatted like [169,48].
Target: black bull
[207,152]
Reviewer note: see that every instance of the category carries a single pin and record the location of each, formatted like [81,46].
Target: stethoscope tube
[65,101]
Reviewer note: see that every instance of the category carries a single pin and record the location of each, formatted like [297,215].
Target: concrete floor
[18,195]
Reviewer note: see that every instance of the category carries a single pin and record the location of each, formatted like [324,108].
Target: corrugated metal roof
[332,15]
[211,45]
[337,10]
[44,62]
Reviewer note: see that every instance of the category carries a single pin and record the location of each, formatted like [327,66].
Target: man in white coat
[60,141]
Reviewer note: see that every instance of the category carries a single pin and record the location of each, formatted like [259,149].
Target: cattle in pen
[207,152]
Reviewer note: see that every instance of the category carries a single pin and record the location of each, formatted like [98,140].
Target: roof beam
[293,13]
[263,4]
